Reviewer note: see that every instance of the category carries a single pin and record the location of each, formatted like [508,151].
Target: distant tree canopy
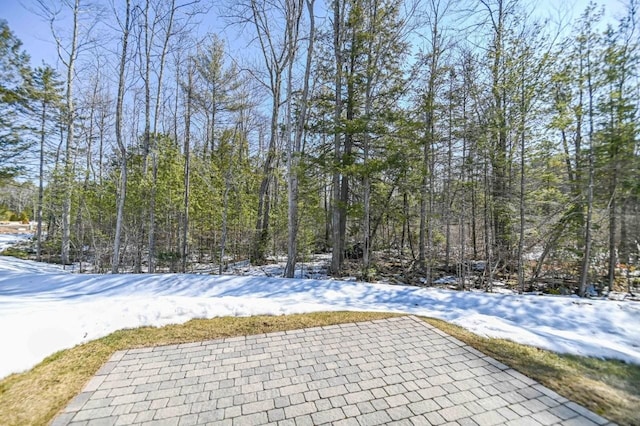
[408,139]
[14,102]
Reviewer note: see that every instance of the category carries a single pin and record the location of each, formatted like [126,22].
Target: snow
[8,240]
[44,309]
[446,280]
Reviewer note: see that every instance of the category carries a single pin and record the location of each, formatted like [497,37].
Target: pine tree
[14,102]
[47,93]
[619,132]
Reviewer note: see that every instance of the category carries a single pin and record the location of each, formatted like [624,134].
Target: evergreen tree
[14,102]
[619,129]
[47,94]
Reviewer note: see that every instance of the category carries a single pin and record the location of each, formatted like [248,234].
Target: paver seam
[336,374]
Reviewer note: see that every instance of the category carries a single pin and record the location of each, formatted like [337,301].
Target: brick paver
[395,371]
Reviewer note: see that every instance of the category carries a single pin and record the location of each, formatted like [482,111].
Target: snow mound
[43,309]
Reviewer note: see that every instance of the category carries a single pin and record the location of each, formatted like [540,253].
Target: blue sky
[36,36]
[30,29]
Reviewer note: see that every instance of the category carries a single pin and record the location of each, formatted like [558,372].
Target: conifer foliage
[408,139]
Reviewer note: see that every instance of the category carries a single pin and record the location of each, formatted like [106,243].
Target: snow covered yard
[44,309]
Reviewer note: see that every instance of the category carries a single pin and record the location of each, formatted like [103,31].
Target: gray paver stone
[489,418]
[434,418]
[395,371]
[176,411]
[93,413]
[251,419]
[275,415]
[545,418]
[422,407]
[188,420]
[299,409]
[351,421]
[258,406]
[398,413]
[328,416]
[209,416]
[78,402]
[296,398]
[578,422]
[126,419]
[375,418]
[105,421]
[454,413]
[63,419]
[323,404]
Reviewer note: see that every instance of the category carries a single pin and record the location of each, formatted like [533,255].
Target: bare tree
[122,184]
[276,53]
[187,163]
[68,58]
[160,23]
[294,147]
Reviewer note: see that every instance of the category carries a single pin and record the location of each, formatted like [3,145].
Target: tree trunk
[366,180]
[262,223]
[276,62]
[336,205]
[225,210]
[187,162]
[43,121]
[586,259]
[488,243]
[624,246]
[347,159]
[463,196]
[428,150]
[448,197]
[294,159]
[68,166]
[292,152]
[499,159]
[122,190]
[611,275]
[151,139]
[522,184]
[424,194]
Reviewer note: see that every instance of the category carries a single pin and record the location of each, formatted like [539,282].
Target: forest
[484,140]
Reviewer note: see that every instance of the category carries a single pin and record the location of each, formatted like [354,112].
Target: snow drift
[44,309]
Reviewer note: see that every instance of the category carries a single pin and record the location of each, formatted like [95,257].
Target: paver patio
[394,371]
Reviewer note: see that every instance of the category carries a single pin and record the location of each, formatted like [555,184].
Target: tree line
[427,133]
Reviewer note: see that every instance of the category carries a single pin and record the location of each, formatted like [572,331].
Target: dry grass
[609,388]
[36,396]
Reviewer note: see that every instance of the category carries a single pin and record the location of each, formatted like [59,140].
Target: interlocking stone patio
[399,371]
